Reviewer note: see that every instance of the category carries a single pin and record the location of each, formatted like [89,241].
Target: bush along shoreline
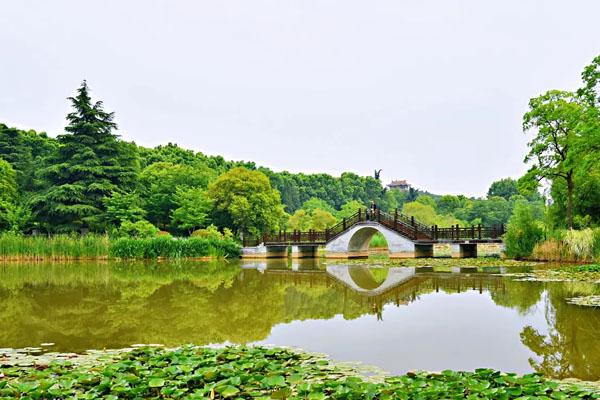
[72,247]
[254,372]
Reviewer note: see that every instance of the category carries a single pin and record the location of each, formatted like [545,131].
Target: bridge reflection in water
[374,287]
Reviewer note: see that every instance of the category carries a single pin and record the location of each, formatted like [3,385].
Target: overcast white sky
[429,91]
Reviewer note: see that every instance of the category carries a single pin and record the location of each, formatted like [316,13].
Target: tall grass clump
[168,247]
[580,244]
[523,232]
[53,247]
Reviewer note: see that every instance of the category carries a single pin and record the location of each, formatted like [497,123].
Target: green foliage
[581,243]
[426,200]
[316,219]
[245,201]
[26,151]
[314,203]
[211,232]
[160,180]
[349,209]
[321,219]
[378,240]
[248,372]
[505,188]
[447,204]
[137,229]
[8,182]
[300,221]
[427,215]
[15,217]
[122,207]
[168,247]
[556,117]
[193,208]
[53,247]
[523,231]
[89,164]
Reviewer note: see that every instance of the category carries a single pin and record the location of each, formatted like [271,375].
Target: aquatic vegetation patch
[257,372]
[440,264]
[567,273]
[588,301]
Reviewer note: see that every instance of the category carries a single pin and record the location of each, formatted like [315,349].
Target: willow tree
[555,117]
[89,164]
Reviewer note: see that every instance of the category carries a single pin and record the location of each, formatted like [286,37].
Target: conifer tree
[89,164]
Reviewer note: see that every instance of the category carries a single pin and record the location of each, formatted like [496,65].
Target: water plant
[62,247]
[54,247]
[169,247]
[257,372]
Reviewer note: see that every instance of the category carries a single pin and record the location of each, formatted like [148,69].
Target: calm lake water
[398,319]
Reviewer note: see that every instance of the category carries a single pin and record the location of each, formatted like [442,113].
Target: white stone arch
[395,276]
[355,242]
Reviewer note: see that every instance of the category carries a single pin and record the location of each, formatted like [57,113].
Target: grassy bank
[65,247]
[242,372]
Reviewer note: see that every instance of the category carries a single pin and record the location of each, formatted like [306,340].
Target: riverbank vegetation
[256,372]
[88,180]
[90,246]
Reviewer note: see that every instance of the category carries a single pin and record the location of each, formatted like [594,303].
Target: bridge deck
[402,224]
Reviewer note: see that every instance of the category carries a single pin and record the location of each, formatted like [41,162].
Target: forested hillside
[89,180]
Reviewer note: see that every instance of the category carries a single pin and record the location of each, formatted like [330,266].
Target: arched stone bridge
[350,238]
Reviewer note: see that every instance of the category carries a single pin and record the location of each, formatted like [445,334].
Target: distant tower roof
[399,184]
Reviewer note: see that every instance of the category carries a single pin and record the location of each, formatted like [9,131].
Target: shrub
[523,232]
[549,250]
[210,232]
[580,244]
[140,229]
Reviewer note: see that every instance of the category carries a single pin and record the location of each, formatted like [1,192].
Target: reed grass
[570,245]
[194,247]
[54,247]
[73,247]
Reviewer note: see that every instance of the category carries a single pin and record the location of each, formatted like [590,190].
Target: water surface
[398,319]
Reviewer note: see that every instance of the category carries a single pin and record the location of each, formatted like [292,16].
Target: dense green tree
[590,91]
[314,203]
[299,221]
[448,203]
[89,164]
[25,151]
[8,182]
[427,215]
[159,182]
[322,219]
[427,200]
[122,207]
[139,229]
[245,201]
[505,188]
[349,209]
[555,117]
[523,231]
[193,208]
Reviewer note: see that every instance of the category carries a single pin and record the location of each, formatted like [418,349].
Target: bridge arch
[361,279]
[354,243]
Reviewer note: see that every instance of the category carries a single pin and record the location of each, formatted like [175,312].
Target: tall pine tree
[89,164]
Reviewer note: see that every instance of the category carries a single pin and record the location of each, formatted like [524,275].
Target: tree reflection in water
[80,306]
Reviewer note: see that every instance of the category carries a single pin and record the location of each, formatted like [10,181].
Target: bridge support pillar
[262,251]
[423,251]
[464,250]
[308,251]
